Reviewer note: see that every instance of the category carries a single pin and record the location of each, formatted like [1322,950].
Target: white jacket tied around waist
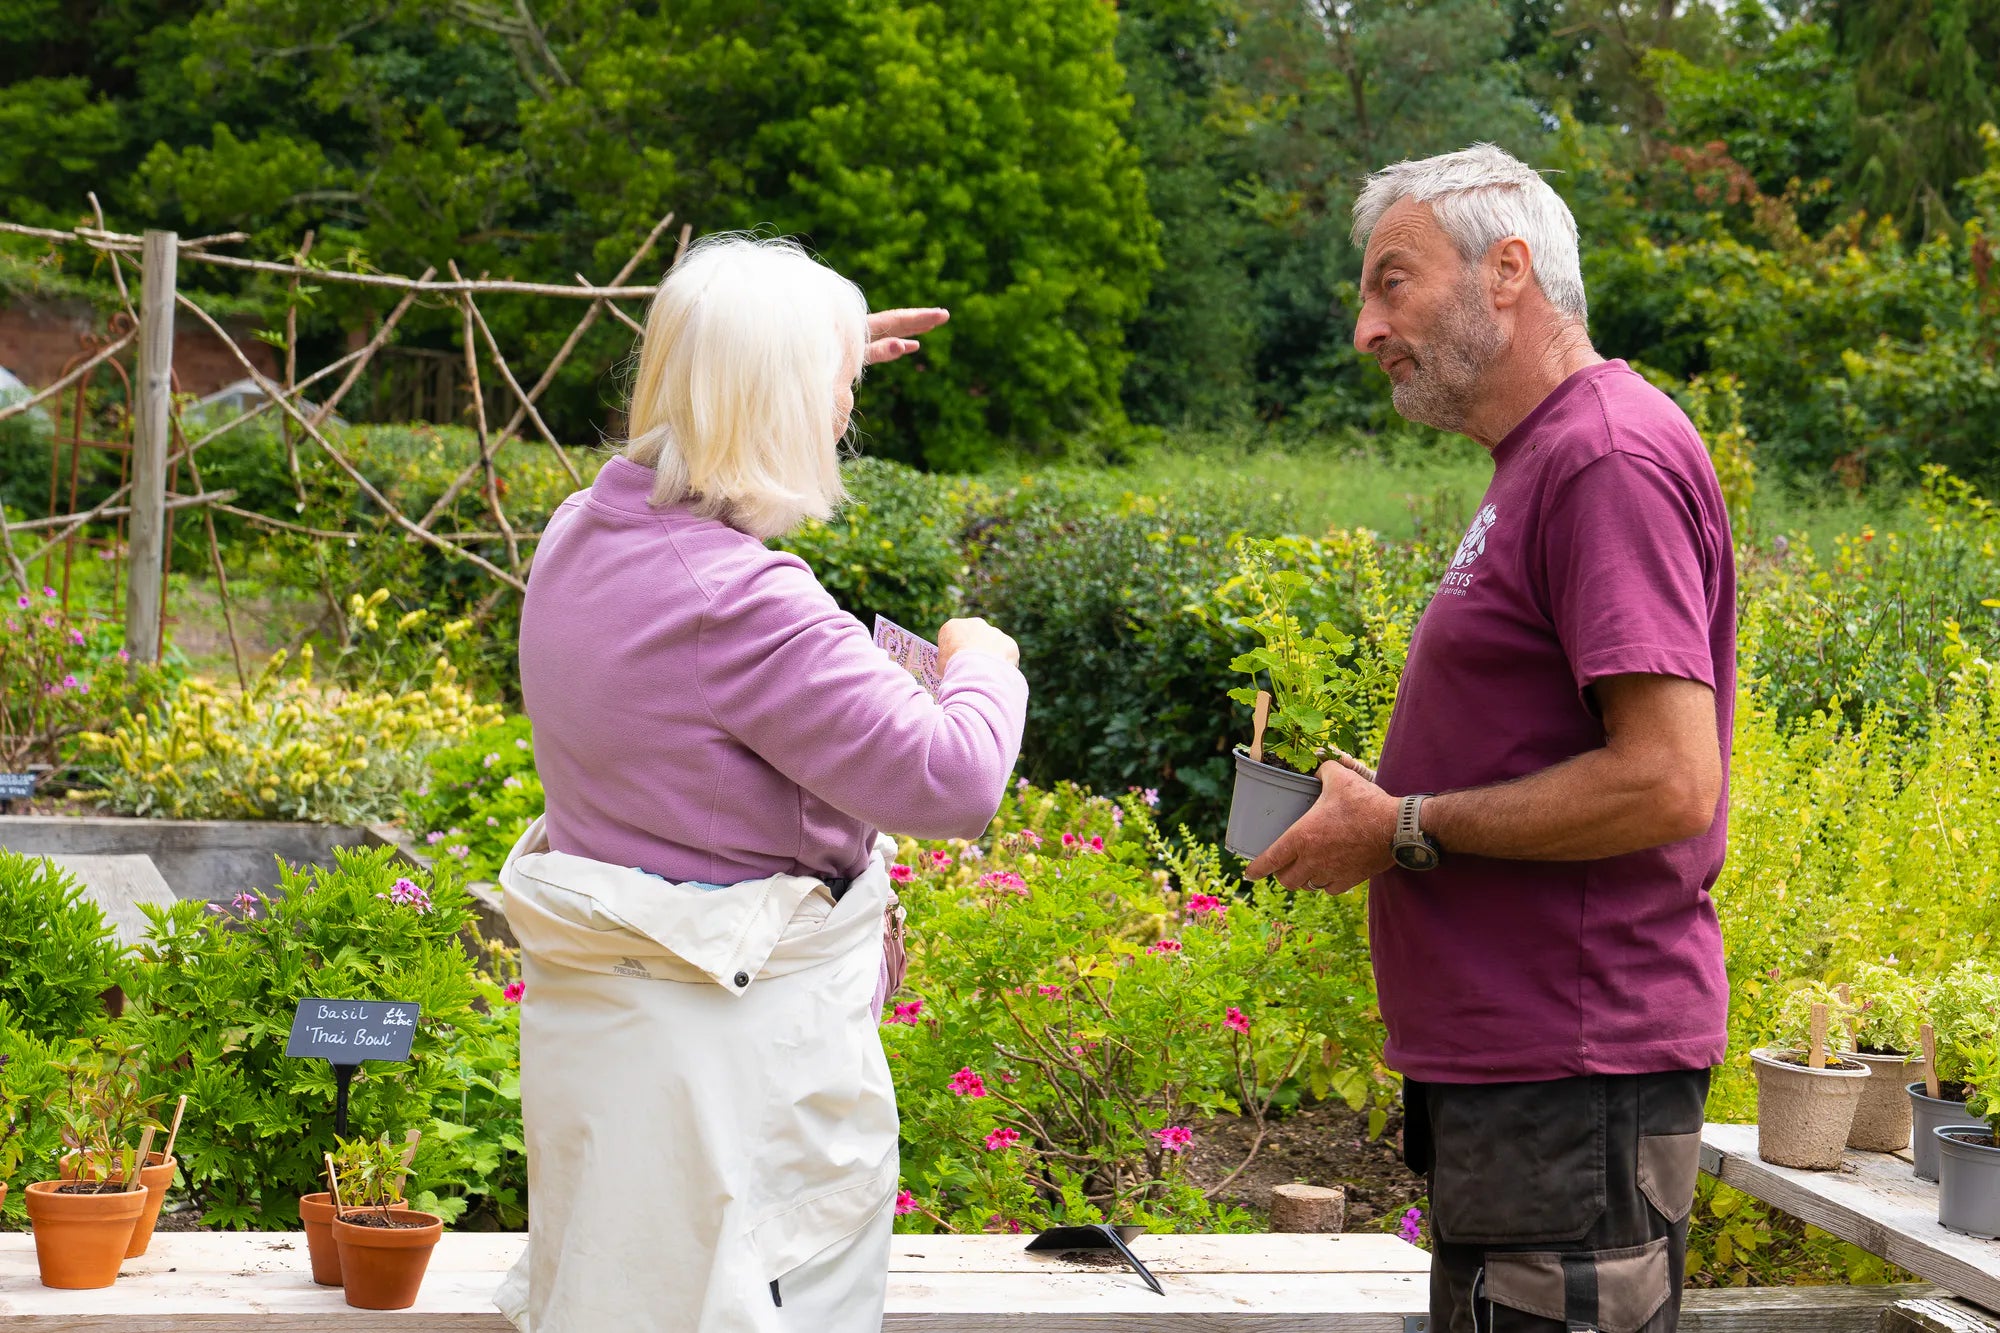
[706,1100]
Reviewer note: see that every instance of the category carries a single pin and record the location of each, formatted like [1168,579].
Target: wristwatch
[1414,849]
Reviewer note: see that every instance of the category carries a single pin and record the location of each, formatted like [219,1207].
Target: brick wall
[37,338]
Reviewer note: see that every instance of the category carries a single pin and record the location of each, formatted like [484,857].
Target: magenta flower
[965,1083]
[513,991]
[245,903]
[1411,1227]
[999,1223]
[940,859]
[124,656]
[1048,990]
[1201,904]
[907,1013]
[1175,1138]
[48,592]
[69,682]
[24,601]
[1164,946]
[1096,844]
[76,637]
[1071,840]
[901,873]
[906,1203]
[406,893]
[1004,879]
[1236,1020]
[1000,1140]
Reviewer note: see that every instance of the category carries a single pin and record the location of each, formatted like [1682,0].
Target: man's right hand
[973,635]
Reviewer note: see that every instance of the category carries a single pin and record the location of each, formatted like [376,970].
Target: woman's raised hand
[973,635]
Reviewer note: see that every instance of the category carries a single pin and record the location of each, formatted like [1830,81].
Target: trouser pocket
[1671,1109]
[1517,1163]
[1616,1291]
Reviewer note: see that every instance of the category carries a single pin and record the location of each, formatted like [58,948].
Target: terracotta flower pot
[383,1267]
[1804,1115]
[1882,1120]
[316,1214]
[156,1175]
[80,1239]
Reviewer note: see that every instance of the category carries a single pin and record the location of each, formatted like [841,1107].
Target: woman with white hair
[704,908]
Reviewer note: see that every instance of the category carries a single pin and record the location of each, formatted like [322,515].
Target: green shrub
[31,1081]
[60,676]
[893,550]
[476,798]
[61,954]
[213,1006]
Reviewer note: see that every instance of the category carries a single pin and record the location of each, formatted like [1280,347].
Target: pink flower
[69,682]
[459,850]
[1164,946]
[245,903]
[24,601]
[406,893]
[1094,845]
[124,656]
[1032,838]
[489,761]
[1071,840]
[1236,1020]
[1201,904]
[76,637]
[906,1203]
[1151,796]
[1175,1138]
[1021,784]
[1048,990]
[1411,1227]
[901,873]
[1000,1140]
[1118,816]
[513,991]
[48,592]
[1009,1076]
[965,1083]
[997,1222]
[434,837]
[1004,879]
[907,1013]
[940,859]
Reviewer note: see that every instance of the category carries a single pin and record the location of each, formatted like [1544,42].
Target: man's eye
[1391,284]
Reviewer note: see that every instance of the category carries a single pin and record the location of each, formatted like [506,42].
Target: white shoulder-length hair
[735,402]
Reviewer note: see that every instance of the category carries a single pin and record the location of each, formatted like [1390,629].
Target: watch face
[1416,856]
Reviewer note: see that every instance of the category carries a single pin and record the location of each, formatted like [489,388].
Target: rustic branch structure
[305,424]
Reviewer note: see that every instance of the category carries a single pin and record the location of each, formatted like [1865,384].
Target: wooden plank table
[217,1282]
[1874,1200]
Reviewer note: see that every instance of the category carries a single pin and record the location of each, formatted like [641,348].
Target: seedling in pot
[367,1176]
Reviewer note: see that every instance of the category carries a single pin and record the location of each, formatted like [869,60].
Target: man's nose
[1370,330]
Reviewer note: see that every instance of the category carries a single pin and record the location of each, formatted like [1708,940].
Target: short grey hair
[1482,195]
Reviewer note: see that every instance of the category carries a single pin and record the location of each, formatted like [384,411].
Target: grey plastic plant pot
[1927,1113]
[1968,1181]
[1267,801]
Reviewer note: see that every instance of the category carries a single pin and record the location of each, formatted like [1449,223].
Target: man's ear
[1512,267]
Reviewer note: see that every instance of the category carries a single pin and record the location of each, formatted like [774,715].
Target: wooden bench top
[215,1282]
[1874,1200]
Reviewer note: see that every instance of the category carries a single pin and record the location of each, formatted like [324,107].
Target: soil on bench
[1324,1144]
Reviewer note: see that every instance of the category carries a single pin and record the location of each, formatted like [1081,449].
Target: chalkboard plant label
[345,1032]
[17,786]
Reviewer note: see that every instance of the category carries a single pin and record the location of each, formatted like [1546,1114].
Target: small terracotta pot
[1803,1114]
[80,1239]
[1882,1120]
[316,1214]
[156,1175]
[383,1267]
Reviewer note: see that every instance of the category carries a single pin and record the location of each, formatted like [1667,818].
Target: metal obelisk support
[150,441]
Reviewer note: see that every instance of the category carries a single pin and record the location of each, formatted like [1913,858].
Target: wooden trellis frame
[164,443]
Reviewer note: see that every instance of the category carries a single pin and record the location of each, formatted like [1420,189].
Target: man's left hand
[893,333]
[1342,841]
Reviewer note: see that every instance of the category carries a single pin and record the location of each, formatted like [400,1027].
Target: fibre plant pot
[157,1175]
[1882,1121]
[383,1267]
[80,1239]
[1803,1114]
[1927,1113]
[316,1215]
[1968,1180]
[1268,799]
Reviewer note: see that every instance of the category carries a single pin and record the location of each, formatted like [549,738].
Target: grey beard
[1443,383]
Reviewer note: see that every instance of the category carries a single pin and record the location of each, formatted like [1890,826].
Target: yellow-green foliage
[288,747]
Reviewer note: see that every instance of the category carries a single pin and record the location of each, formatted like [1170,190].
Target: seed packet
[916,654]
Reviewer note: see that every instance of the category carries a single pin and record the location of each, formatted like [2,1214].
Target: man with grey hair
[1549,815]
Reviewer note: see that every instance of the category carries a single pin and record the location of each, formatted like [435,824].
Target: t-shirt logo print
[1474,543]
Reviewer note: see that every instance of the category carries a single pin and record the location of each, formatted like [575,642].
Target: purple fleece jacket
[703,710]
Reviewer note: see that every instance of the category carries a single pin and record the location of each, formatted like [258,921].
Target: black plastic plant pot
[1926,1114]
[1268,800]
[1968,1181]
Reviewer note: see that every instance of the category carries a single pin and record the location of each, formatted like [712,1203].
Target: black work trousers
[1560,1206]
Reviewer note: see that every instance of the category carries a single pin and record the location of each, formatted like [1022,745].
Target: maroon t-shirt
[1602,548]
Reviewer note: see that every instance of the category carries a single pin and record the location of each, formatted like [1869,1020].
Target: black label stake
[344,1033]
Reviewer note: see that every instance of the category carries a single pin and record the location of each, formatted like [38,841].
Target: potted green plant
[1965,1015]
[384,1247]
[1969,1154]
[1886,1023]
[1806,1098]
[1318,702]
[83,1224]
